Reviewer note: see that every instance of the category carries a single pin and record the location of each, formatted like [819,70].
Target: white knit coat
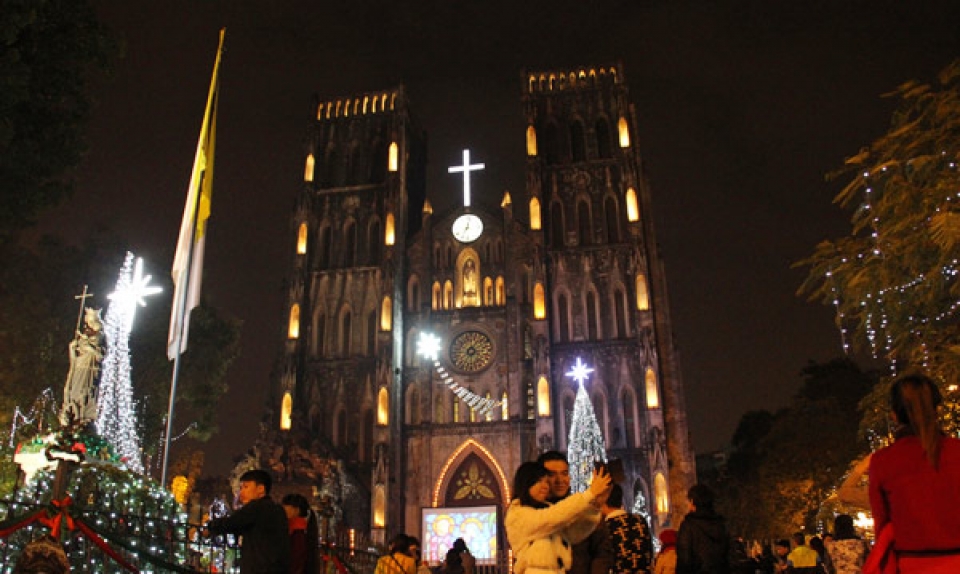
[541,538]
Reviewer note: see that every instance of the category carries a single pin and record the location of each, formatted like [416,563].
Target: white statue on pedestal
[80,391]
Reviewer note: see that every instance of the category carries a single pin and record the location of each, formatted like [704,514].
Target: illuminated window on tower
[633,210]
[389,236]
[531,141]
[624,133]
[643,300]
[293,329]
[539,307]
[286,408]
[302,239]
[383,407]
[308,169]
[653,396]
[392,161]
[543,397]
[534,214]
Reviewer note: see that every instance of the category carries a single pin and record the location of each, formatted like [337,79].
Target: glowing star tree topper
[586,444]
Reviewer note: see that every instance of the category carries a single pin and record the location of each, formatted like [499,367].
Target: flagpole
[184,280]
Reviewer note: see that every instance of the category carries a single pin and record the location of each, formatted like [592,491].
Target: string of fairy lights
[428,347]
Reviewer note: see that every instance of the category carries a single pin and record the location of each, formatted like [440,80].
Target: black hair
[843,527]
[798,538]
[551,455]
[258,476]
[302,505]
[400,543]
[783,543]
[528,474]
[615,500]
[914,399]
[701,496]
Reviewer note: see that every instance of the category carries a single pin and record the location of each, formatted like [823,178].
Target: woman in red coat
[303,534]
[915,482]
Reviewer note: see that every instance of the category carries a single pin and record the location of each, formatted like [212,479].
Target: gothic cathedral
[429,351]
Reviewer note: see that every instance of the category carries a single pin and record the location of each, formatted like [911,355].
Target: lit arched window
[286,408]
[456,409]
[488,291]
[392,161]
[534,213]
[386,314]
[653,395]
[643,300]
[660,494]
[489,414]
[633,209]
[501,293]
[531,141]
[293,329]
[383,407]
[302,239]
[438,410]
[308,169]
[504,407]
[539,307]
[379,507]
[543,397]
[448,295]
[436,297]
[624,132]
[389,235]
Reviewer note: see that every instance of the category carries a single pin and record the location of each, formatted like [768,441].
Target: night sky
[742,108]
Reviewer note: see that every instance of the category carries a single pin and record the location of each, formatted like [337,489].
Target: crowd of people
[914,495]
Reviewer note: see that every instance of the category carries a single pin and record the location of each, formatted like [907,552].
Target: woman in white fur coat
[542,534]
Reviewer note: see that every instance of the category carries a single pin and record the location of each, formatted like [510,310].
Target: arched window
[413,293]
[578,145]
[534,213]
[600,410]
[293,328]
[488,416]
[551,144]
[531,141]
[613,223]
[643,299]
[372,333]
[501,292]
[390,235]
[504,407]
[379,506]
[633,209]
[286,409]
[448,295]
[302,239]
[350,244]
[386,314]
[624,132]
[543,397]
[436,297]
[308,168]
[603,138]
[557,230]
[620,310]
[629,419]
[593,318]
[383,407]
[660,494]
[456,409]
[488,291]
[392,155]
[652,389]
[563,320]
[346,331]
[539,307]
[584,229]
[439,411]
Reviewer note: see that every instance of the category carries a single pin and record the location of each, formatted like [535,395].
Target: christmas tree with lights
[116,419]
[586,441]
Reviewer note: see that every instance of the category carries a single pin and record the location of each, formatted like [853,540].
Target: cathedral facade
[500,301]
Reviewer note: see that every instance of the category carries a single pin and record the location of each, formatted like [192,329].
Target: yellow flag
[187,269]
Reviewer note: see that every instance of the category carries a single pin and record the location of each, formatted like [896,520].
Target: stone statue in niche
[469,282]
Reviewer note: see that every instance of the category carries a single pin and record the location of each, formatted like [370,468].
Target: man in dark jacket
[703,545]
[263,525]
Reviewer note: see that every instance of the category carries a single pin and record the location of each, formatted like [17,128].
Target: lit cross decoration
[428,347]
[465,169]
[580,372]
[130,295]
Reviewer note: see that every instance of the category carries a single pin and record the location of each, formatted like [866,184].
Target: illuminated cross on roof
[580,372]
[465,169]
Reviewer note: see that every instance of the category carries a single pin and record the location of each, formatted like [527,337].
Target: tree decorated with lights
[586,440]
[116,420]
[893,280]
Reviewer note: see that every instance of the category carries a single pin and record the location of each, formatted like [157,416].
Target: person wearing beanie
[666,562]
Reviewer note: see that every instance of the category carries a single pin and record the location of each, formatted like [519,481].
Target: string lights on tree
[586,445]
[116,419]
